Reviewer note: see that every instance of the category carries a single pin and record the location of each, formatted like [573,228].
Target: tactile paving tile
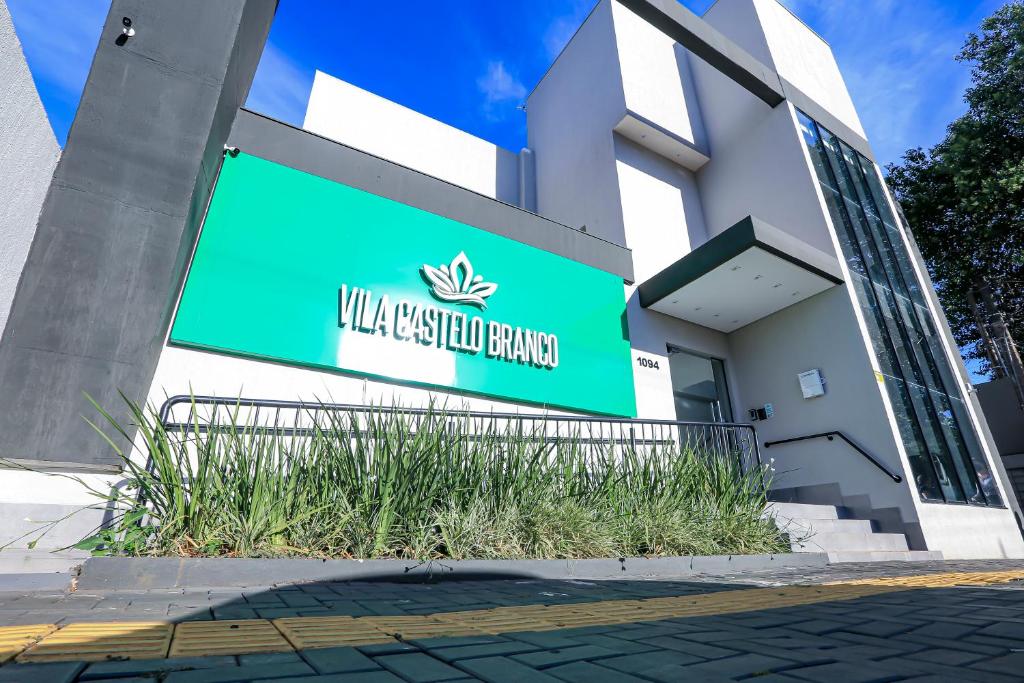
[498,624]
[205,638]
[14,639]
[425,626]
[97,641]
[311,632]
[503,619]
[127,640]
[942,580]
[727,602]
[315,632]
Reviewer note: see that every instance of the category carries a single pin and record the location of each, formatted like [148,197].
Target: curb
[28,582]
[145,573]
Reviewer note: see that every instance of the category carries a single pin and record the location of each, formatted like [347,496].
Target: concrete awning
[738,277]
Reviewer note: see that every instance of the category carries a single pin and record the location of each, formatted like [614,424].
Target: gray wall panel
[95,298]
[284,144]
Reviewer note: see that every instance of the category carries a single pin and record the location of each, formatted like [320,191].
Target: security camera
[127,31]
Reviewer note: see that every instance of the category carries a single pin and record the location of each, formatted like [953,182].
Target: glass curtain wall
[945,454]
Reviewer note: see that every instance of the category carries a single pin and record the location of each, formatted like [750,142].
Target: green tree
[964,197]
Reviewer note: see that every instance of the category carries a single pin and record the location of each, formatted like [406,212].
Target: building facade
[697,231]
[1001,403]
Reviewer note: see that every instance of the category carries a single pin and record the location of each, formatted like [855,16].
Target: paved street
[884,622]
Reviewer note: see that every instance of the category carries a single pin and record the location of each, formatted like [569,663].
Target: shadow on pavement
[508,627]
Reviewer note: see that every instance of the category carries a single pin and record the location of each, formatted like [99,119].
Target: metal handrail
[720,436]
[183,399]
[831,436]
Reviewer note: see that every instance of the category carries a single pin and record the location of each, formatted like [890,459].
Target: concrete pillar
[120,218]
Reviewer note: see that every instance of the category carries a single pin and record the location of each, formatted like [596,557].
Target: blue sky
[470,64]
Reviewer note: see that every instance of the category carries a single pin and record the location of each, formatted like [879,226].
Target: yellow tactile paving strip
[154,640]
[312,632]
[945,580]
[14,639]
[203,638]
[97,641]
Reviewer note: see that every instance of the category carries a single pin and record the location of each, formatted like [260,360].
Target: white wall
[30,501]
[357,118]
[28,157]
[964,533]
[570,117]
[737,20]
[650,335]
[656,78]
[762,171]
[774,35]
[804,59]
[728,109]
[661,208]
[821,332]
[662,221]
[181,371]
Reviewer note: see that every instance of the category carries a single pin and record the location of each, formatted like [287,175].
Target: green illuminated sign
[302,270]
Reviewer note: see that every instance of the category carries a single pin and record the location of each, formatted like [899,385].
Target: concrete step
[22,524]
[22,561]
[884,556]
[820,528]
[802,511]
[855,542]
[803,528]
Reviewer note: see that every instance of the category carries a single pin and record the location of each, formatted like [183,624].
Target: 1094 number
[647,362]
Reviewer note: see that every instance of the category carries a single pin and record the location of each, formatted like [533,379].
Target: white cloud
[500,88]
[281,87]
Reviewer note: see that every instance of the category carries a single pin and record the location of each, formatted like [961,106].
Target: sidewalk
[935,621]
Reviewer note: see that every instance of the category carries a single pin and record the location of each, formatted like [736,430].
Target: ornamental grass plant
[390,483]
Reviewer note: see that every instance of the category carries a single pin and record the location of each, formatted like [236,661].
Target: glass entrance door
[698,387]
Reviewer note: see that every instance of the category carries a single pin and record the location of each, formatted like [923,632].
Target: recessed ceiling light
[735,268]
[758,277]
[776,285]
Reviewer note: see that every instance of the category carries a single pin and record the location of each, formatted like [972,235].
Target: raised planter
[131,573]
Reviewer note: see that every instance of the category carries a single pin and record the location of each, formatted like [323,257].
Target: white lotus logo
[456,282]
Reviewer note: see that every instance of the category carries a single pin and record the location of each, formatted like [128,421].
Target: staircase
[814,528]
